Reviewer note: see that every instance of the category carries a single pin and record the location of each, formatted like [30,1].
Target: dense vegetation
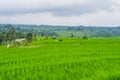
[65,59]
[63,31]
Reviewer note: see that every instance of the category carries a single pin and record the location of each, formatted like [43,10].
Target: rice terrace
[65,59]
[43,52]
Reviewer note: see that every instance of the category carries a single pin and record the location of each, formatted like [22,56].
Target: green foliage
[85,37]
[63,31]
[71,59]
[11,35]
[29,37]
[20,35]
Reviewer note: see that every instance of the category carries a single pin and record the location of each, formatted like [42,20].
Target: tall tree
[11,35]
[29,37]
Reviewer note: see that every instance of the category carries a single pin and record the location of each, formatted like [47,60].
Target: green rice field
[69,59]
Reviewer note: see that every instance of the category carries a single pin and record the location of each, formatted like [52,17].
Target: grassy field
[70,59]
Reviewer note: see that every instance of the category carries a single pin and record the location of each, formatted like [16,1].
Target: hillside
[64,31]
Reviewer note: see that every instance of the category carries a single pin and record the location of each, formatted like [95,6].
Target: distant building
[22,40]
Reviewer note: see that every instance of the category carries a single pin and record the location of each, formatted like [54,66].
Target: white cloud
[98,18]
[60,12]
[57,7]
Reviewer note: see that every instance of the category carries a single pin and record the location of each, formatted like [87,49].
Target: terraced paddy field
[69,59]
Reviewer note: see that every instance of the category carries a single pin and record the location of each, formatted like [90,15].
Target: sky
[61,12]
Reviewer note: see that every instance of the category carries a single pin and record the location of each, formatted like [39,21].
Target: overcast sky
[60,12]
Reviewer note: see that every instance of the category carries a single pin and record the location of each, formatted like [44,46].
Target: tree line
[8,33]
